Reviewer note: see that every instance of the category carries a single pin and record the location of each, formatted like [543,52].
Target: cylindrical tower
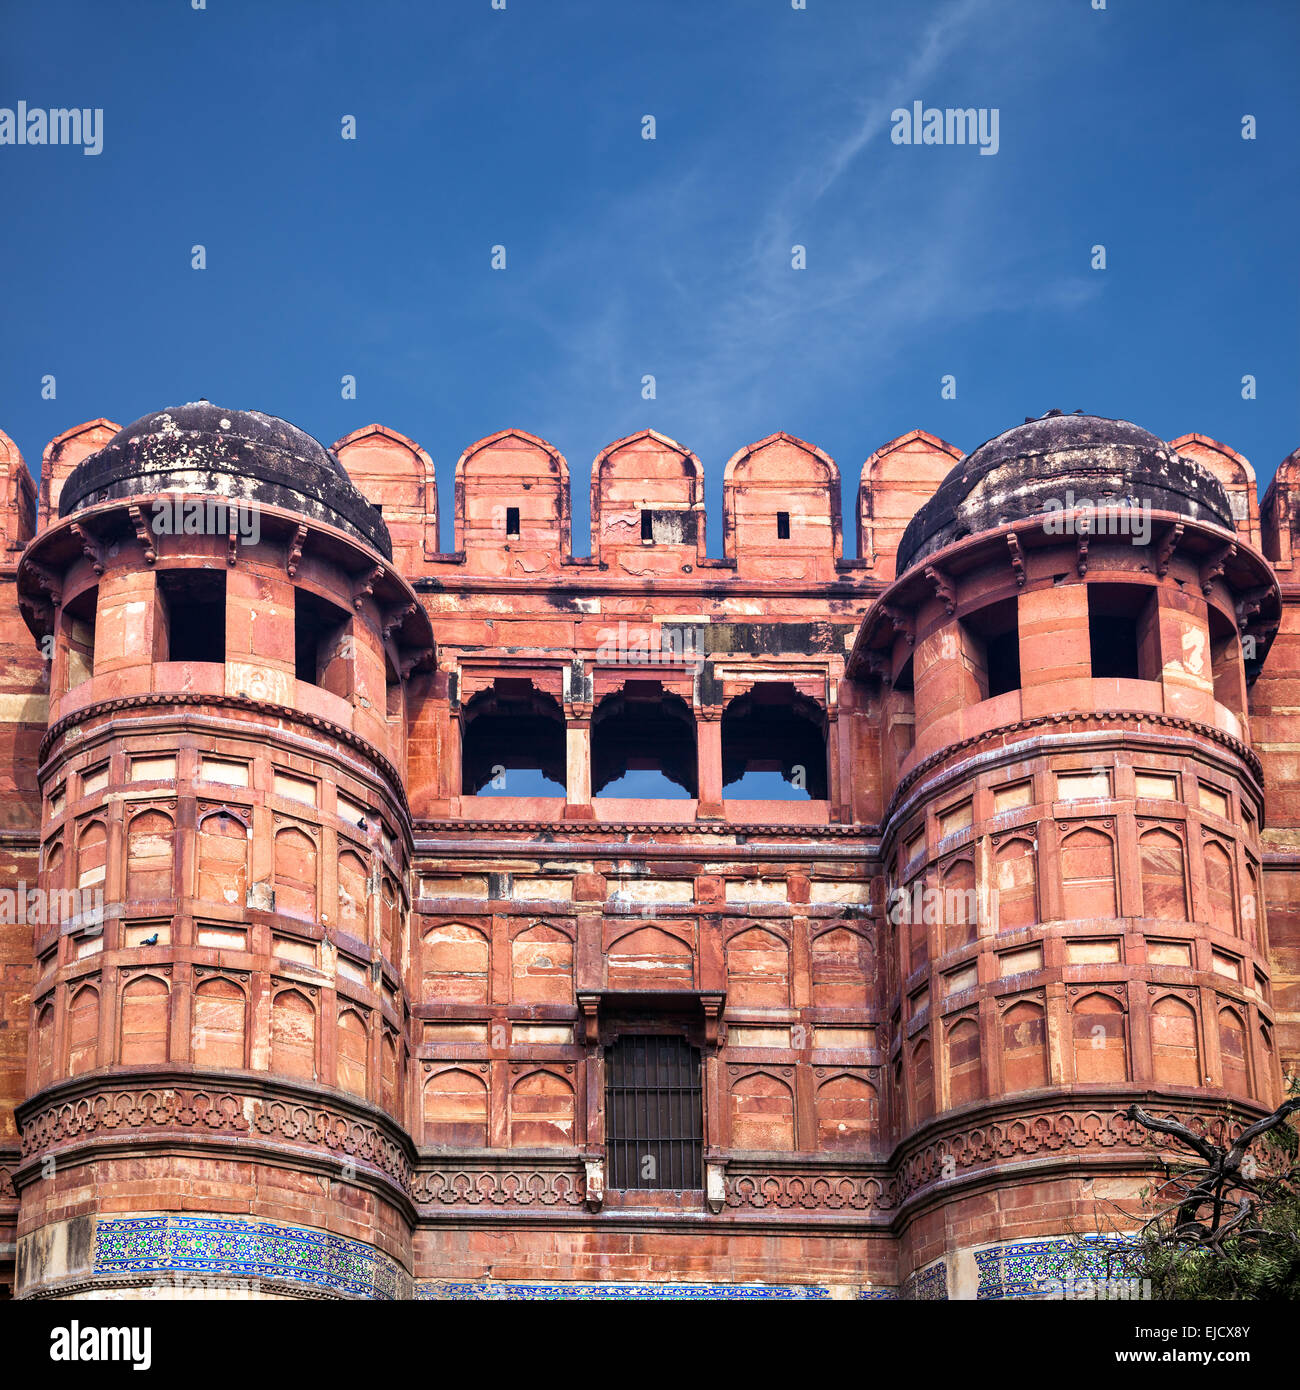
[1072,846]
[219,1062]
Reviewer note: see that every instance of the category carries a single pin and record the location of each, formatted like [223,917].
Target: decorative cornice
[513,1182]
[975,1146]
[155,699]
[980,1144]
[1132,718]
[688,827]
[174,1102]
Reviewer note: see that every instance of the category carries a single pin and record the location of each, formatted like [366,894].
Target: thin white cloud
[730,331]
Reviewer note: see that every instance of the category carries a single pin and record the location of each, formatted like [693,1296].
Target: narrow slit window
[1123,640]
[321,642]
[392,691]
[194,614]
[512,521]
[1004,662]
[990,648]
[647,526]
[783,526]
[79,626]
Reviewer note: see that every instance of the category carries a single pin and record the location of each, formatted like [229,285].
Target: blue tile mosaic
[1042,1268]
[436,1289]
[928,1285]
[256,1251]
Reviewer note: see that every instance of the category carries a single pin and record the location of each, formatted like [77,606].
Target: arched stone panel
[542,1112]
[758,970]
[455,1110]
[454,964]
[1100,1039]
[218,1024]
[762,1113]
[541,966]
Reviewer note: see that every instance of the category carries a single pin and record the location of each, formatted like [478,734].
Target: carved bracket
[142,533]
[1248,606]
[878,664]
[393,616]
[47,582]
[1017,558]
[1168,544]
[943,588]
[1212,569]
[902,621]
[365,587]
[590,1006]
[407,663]
[712,1004]
[90,547]
[295,551]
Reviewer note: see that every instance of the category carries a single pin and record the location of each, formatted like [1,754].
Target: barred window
[653,1114]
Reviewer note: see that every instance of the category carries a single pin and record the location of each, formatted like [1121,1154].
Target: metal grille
[654,1120]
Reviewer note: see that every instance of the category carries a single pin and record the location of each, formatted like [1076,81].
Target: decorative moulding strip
[978,1147]
[611,828]
[176,698]
[1133,720]
[277,1112]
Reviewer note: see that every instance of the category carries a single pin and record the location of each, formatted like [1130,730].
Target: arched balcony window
[513,742]
[643,744]
[774,746]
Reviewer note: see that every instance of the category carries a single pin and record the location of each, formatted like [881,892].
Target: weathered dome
[242,455]
[1015,475]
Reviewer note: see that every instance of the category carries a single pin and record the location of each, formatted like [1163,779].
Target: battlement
[781,512]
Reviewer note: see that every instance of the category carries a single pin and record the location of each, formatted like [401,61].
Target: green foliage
[1228,1228]
[1261,1265]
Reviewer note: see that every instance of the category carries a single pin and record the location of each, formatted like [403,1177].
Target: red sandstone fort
[297,999]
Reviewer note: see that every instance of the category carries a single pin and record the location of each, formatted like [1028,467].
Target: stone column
[577,762]
[708,751]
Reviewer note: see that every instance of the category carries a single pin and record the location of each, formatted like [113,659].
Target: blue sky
[670,257]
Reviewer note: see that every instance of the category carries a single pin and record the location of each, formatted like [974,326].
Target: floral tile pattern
[1033,1268]
[436,1289]
[928,1285]
[232,1247]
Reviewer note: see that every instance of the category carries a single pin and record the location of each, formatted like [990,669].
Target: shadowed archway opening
[774,746]
[643,744]
[513,742]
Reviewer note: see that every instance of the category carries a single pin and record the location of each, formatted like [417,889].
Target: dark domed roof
[1016,473]
[240,454]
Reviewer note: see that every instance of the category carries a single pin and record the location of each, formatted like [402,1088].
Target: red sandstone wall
[1274,701]
[472,934]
